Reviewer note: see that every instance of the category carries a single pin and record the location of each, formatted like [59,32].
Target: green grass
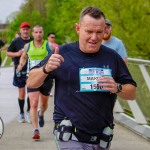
[148,69]
[9,60]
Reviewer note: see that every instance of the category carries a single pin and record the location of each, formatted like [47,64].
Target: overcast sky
[7,7]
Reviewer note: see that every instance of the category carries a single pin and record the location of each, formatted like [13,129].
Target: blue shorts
[45,88]
[19,81]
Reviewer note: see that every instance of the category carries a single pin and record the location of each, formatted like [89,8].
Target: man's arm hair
[128,92]
[36,77]
[23,58]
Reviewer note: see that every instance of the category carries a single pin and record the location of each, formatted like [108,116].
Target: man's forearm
[23,60]
[12,54]
[128,92]
[36,78]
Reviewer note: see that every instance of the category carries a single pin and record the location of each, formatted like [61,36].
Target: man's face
[107,32]
[51,38]
[91,32]
[25,32]
[38,33]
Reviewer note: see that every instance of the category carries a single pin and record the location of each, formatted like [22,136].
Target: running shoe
[36,135]
[28,117]
[41,119]
[21,118]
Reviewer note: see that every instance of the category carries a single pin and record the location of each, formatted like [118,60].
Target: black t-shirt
[1,43]
[16,45]
[88,111]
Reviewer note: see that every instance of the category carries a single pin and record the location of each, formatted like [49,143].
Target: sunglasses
[52,37]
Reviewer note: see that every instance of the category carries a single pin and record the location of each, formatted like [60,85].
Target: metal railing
[135,115]
[134,107]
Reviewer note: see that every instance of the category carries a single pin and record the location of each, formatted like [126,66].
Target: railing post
[145,75]
[137,113]
[118,108]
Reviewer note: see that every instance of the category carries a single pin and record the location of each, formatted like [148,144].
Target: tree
[130,20]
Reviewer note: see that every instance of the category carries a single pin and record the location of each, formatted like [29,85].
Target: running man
[34,52]
[51,39]
[114,42]
[15,51]
[85,91]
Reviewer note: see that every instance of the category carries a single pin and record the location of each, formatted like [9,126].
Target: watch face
[119,87]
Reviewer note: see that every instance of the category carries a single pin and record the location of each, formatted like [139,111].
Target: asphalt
[17,136]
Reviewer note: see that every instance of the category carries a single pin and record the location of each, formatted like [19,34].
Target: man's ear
[77,28]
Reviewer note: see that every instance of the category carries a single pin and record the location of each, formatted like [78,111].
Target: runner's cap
[25,24]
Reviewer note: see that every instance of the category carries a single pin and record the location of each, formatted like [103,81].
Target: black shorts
[45,88]
[19,81]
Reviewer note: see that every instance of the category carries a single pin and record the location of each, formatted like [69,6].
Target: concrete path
[17,136]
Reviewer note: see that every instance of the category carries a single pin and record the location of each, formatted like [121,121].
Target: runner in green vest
[34,52]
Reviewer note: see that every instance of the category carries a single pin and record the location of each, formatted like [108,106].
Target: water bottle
[18,73]
[106,138]
[63,133]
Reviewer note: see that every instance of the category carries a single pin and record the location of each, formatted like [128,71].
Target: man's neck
[25,38]
[106,41]
[38,43]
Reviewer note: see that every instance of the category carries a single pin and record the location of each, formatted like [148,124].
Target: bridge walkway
[18,135]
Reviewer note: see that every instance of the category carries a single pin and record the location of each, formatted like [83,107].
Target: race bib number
[89,77]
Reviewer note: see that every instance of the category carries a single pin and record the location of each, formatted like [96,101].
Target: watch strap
[119,87]
[44,70]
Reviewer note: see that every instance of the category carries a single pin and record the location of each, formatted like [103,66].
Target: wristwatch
[119,86]
[44,70]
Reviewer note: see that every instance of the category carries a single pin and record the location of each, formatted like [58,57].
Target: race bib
[89,76]
[34,63]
